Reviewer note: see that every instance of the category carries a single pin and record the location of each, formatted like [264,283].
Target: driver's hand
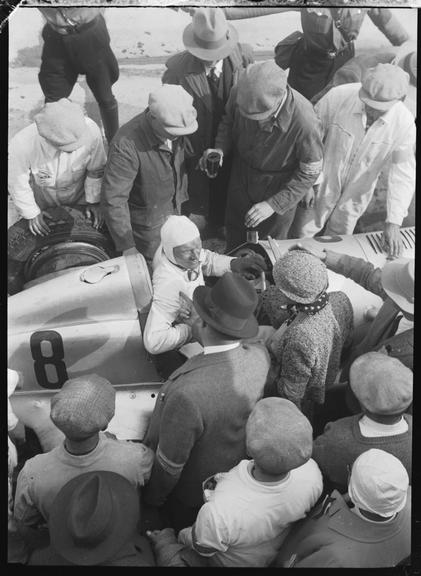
[38,226]
[249,266]
[392,241]
[95,214]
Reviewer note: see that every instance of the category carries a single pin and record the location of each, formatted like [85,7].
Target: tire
[73,241]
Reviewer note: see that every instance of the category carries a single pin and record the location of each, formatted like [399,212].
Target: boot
[109,117]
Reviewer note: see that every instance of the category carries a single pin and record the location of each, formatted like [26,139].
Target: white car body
[91,320]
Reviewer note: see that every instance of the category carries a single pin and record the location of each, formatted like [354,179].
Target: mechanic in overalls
[145,179]
[275,138]
[325,43]
[76,41]
[58,160]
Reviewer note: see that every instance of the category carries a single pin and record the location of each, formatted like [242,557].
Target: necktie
[213,79]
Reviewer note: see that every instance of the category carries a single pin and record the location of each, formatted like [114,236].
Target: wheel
[73,241]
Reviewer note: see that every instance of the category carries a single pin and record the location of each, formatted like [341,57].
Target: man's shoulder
[181,62]
[130,132]
[25,136]
[40,463]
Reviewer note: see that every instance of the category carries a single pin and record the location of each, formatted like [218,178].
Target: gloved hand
[249,266]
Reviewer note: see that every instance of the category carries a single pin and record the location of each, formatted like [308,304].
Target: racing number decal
[56,358]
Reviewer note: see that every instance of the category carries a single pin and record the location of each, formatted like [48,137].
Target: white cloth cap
[177,230]
[378,483]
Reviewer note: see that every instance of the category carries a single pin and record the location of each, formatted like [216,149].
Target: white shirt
[220,348]
[40,175]
[354,159]
[168,281]
[245,521]
[371,429]
[217,68]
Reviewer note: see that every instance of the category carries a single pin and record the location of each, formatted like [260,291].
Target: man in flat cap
[208,68]
[198,425]
[275,139]
[383,387]
[82,409]
[58,160]
[368,527]
[145,178]
[366,129]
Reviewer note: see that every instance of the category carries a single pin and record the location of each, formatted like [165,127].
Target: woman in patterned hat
[312,329]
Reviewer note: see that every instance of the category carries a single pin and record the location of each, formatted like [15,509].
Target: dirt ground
[142,39]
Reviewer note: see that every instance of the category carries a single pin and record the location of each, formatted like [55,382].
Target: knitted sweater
[306,357]
[198,424]
[342,442]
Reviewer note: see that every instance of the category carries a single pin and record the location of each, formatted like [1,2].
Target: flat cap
[279,437]
[83,406]
[383,86]
[382,384]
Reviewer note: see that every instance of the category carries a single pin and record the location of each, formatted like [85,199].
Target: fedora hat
[228,306]
[398,282]
[92,517]
[209,36]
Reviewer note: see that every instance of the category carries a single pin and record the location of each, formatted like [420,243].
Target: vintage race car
[91,319]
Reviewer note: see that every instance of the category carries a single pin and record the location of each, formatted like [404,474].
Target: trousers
[88,52]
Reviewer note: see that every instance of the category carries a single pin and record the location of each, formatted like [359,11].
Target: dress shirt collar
[217,67]
[220,348]
[371,428]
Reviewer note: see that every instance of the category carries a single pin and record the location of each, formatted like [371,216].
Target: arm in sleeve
[401,184]
[387,23]
[215,264]
[297,362]
[309,158]
[223,138]
[241,13]
[144,457]
[160,334]
[120,172]
[180,427]
[95,167]
[208,534]
[19,168]
[362,272]
[25,511]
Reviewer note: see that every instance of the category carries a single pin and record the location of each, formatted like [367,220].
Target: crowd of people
[287,441]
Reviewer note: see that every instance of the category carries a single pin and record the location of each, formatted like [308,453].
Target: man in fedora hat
[82,410]
[366,129]
[93,521]
[58,160]
[145,179]
[392,329]
[275,139]
[207,69]
[198,425]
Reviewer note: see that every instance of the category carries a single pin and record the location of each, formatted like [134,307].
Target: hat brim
[261,115]
[390,274]
[206,53]
[122,528]
[248,330]
[183,130]
[376,104]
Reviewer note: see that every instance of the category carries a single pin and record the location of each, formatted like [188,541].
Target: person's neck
[80,447]
[261,476]
[388,420]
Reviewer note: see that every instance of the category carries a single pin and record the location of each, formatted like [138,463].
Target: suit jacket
[198,424]
[189,72]
[334,537]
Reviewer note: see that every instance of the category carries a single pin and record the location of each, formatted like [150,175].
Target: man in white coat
[366,129]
